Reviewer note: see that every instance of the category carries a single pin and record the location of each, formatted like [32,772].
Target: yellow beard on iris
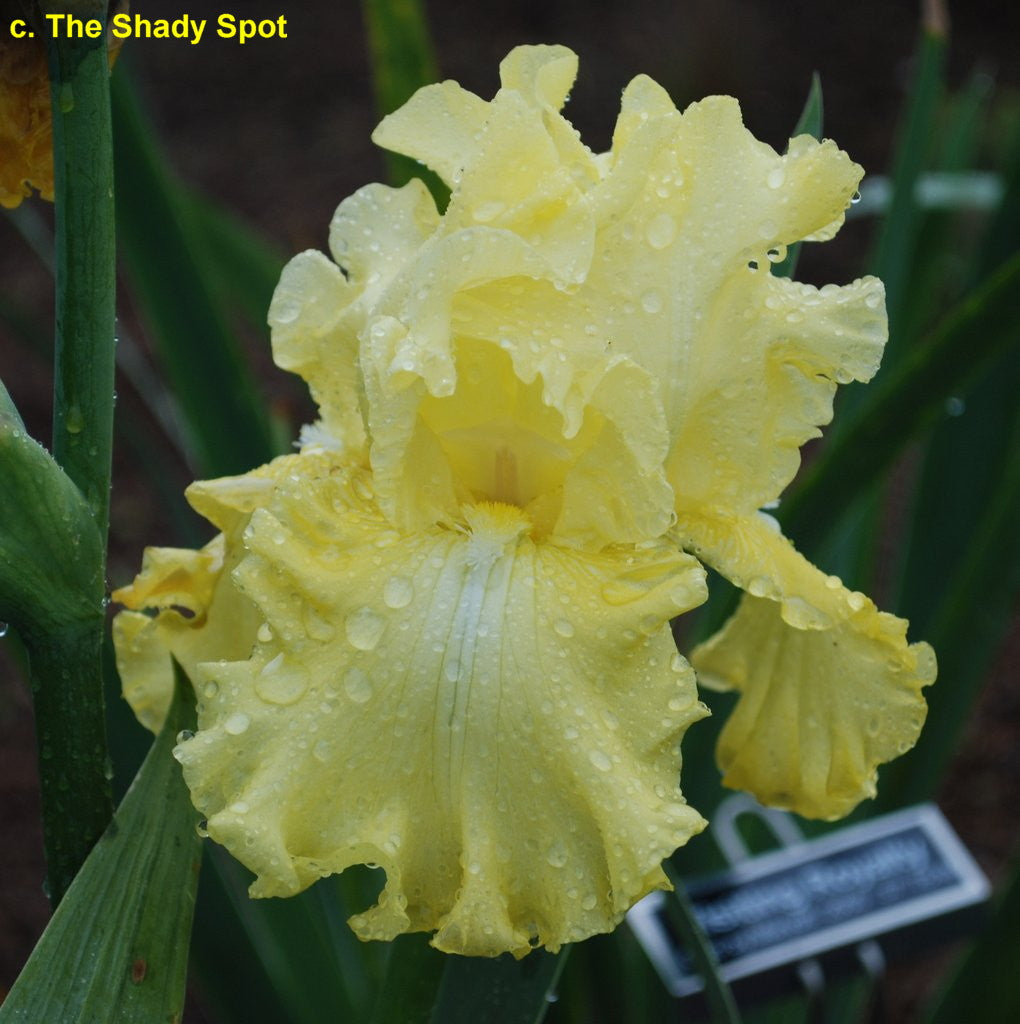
[437,639]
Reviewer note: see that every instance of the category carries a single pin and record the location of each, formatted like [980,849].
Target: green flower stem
[66,665]
[85,267]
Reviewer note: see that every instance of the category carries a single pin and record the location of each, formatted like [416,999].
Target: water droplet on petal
[651,301]
[661,231]
[398,592]
[776,177]
[357,685]
[281,682]
[556,855]
[237,723]
[564,627]
[600,760]
[364,628]
[265,633]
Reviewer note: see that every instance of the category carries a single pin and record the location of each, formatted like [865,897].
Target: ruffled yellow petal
[199,614]
[830,688]
[491,718]
[787,345]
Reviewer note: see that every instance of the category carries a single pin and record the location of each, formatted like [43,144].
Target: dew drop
[237,723]
[318,626]
[651,301]
[265,633]
[74,422]
[398,592]
[357,685]
[239,807]
[776,177]
[4,627]
[364,628]
[589,902]
[281,683]
[600,760]
[954,407]
[210,689]
[661,231]
[759,586]
[184,735]
[767,229]
[321,751]
[802,615]
[564,627]
[556,855]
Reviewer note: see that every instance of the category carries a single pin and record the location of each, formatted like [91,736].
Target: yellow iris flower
[26,145]
[437,639]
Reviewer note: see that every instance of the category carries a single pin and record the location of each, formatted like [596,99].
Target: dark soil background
[278,132]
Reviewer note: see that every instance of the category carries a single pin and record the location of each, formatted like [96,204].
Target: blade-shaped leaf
[51,554]
[510,991]
[904,401]
[402,61]
[165,256]
[117,946]
[809,123]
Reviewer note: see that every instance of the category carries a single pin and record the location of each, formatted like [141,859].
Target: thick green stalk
[85,268]
[66,666]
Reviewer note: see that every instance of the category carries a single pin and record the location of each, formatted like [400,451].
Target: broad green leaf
[984,986]
[501,989]
[402,61]
[897,238]
[51,554]
[117,946]
[903,402]
[414,971]
[688,928]
[977,598]
[239,264]
[165,255]
[809,123]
